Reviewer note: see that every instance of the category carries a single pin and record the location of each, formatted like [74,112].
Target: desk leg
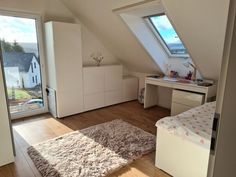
[150,97]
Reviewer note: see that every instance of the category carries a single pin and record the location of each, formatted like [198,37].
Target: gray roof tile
[18,59]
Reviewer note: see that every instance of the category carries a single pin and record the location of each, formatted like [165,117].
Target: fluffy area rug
[92,152]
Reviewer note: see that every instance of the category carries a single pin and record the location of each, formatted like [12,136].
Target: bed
[183,142]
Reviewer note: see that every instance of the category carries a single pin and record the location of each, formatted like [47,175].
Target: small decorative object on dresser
[97,57]
[192,74]
[173,74]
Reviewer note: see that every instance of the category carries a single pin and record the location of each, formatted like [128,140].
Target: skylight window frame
[159,37]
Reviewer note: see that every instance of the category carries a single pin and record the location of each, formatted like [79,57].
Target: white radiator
[52,103]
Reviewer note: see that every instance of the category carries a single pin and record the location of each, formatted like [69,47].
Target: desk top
[175,84]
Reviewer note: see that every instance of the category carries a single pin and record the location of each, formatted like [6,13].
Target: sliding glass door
[21,59]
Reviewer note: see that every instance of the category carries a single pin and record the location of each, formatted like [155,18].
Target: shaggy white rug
[92,152]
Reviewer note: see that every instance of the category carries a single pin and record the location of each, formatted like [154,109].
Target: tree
[16,47]
[8,47]
[5,46]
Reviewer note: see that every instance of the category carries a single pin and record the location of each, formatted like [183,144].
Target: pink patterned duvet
[194,125]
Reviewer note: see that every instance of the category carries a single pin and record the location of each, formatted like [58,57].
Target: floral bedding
[194,125]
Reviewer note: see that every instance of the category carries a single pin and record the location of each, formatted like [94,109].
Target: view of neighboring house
[22,70]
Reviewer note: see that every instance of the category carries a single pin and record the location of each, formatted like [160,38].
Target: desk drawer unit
[183,101]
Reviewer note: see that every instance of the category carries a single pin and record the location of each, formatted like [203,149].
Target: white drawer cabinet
[113,84]
[113,97]
[94,101]
[105,86]
[102,86]
[184,100]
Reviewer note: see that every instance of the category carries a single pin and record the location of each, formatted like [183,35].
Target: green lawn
[19,94]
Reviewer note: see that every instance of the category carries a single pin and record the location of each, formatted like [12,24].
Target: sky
[21,30]
[165,29]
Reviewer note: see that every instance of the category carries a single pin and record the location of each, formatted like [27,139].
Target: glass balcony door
[21,59]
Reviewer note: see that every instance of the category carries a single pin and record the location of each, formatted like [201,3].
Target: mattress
[194,125]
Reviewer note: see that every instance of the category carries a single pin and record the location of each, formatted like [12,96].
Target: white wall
[6,150]
[91,44]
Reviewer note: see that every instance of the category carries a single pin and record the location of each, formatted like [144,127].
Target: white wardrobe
[72,88]
[64,66]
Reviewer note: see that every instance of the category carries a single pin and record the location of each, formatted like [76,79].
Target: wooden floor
[36,129]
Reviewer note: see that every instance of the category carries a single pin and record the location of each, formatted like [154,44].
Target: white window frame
[159,38]
[39,31]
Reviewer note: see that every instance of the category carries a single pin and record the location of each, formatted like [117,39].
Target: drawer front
[94,101]
[113,77]
[187,98]
[93,80]
[113,97]
[177,108]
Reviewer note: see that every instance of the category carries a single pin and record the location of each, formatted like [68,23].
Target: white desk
[152,84]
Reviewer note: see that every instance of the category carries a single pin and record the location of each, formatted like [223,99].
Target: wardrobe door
[65,73]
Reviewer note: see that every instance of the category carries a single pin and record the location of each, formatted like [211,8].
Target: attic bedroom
[124,88]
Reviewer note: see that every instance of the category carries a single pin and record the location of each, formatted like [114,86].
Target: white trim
[20,14]
[28,113]
[146,19]
[40,42]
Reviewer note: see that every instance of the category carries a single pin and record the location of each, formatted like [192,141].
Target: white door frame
[222,159]
[39,31]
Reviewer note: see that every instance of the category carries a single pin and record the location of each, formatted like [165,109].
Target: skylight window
[167,35]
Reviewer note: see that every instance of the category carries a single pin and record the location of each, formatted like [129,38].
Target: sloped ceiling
[50,10]
[201,25]
[113,33]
